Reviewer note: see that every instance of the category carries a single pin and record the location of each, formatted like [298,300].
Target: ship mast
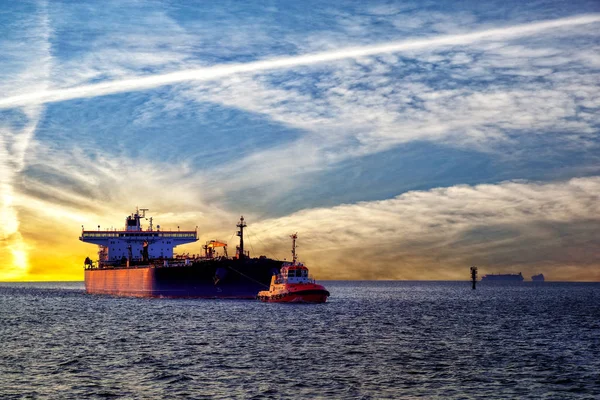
[294,256]
[240,233]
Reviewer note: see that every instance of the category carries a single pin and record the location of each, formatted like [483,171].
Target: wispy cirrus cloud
[17,130]
[353,108]
[508,99]
[215,72]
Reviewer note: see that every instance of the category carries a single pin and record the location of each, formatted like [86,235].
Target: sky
[400,140]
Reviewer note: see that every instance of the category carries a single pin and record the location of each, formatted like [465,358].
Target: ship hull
[502,278]
[227,279]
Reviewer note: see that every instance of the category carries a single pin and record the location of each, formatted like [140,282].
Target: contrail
[220,71]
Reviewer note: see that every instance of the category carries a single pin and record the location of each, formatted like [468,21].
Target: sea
[371,340]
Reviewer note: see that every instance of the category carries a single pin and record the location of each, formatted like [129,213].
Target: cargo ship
[502,278]
[141,262]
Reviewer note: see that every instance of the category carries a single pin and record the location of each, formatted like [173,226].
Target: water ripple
[373,340]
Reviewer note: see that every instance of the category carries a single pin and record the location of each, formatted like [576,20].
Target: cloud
[347,110]
[220,71]
[372,105]
[515,226]
[437,234]
[17,130]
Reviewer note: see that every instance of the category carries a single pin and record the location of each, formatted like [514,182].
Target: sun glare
[19,259]
[17,267]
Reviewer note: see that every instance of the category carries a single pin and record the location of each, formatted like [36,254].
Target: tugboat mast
[240,233]
[294,256]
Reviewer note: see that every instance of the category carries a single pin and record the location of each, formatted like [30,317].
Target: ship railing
[177,261]
[172,262]
[101,264]
[90,265]
[140,234]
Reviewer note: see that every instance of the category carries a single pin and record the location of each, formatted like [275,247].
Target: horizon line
[366,280]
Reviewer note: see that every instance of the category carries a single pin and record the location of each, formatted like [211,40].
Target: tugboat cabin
[293,273]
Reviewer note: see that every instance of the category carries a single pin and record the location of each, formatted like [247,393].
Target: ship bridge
[133,243]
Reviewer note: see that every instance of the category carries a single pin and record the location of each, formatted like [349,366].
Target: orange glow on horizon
[404,238]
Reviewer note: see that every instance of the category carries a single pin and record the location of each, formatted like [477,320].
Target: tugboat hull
[301,296]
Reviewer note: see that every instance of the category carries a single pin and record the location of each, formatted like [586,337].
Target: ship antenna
[240,233]
[294,255]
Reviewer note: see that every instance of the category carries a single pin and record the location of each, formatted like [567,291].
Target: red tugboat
[293,285]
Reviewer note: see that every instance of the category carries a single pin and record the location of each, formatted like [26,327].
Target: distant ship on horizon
[538,278]
[502,278]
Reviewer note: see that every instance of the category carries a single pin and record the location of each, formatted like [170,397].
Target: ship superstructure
[134,244]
